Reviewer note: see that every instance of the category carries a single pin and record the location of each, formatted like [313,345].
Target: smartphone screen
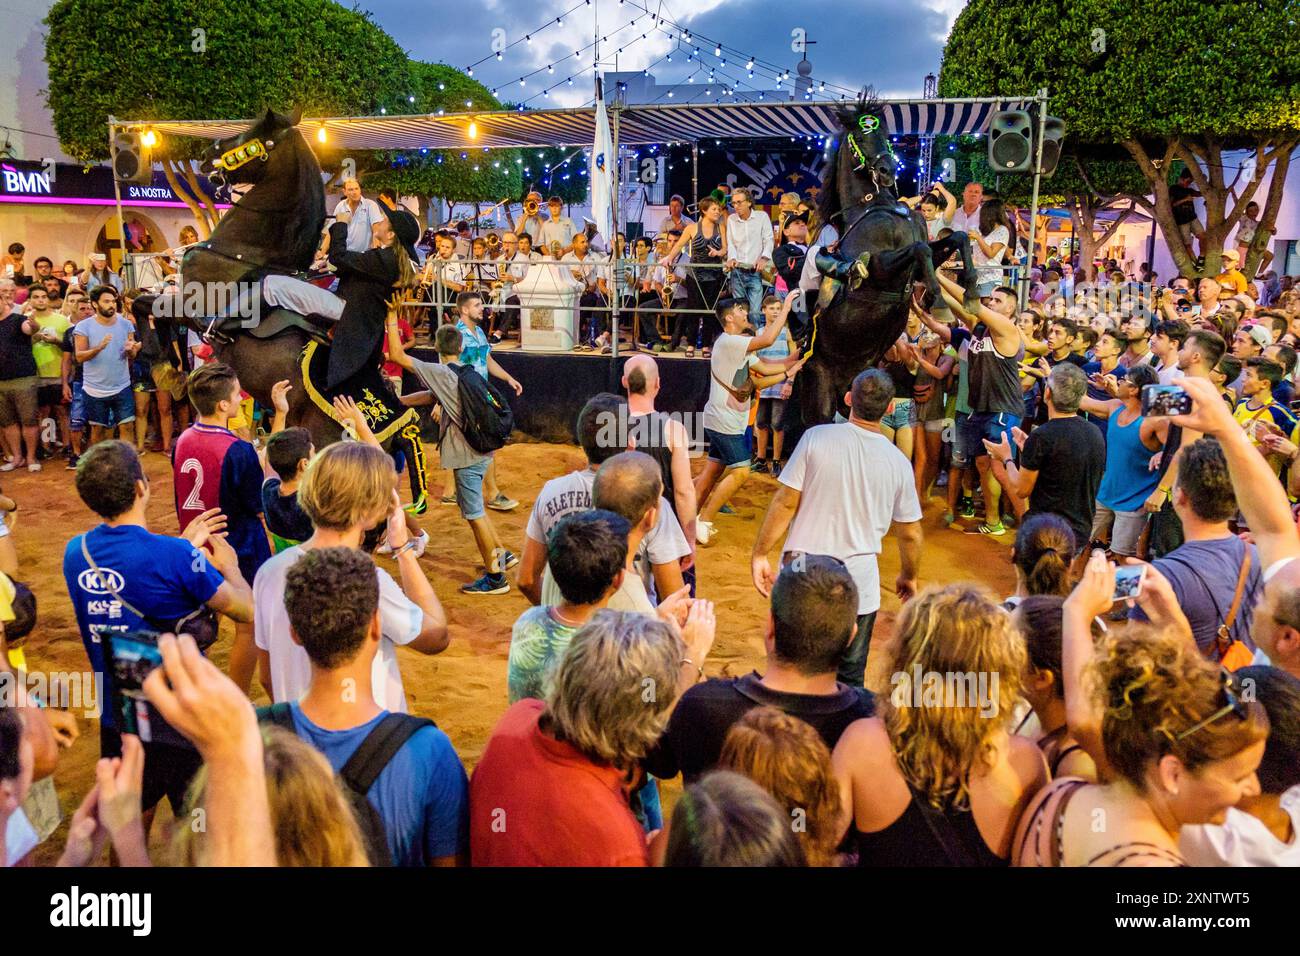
[132,656]
[1165,400]
[1128,581]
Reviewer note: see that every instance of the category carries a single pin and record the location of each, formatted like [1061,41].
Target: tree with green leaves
[1086,186]
[205,59]
[1167,80]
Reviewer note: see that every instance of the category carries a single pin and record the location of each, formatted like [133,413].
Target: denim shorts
[974,428]
[111,412]
[902,414]
[729,450]
[77,407]
[469,489]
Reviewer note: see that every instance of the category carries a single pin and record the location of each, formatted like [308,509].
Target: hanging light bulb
[149,137]
[473,130]
[717,50]
[320,134]
[550,68]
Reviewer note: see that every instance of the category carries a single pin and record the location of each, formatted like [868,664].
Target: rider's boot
[836,266]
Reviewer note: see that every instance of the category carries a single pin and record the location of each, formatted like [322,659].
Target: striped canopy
[637,125]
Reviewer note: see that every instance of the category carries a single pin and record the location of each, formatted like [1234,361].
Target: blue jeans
[749,286]
[853,663]
[110,412]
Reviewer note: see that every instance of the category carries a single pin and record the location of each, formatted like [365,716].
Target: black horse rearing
[860,324]
[275,227]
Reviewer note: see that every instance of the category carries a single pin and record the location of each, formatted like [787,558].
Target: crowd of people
[1146,668]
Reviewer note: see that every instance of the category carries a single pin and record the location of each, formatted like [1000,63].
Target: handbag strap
[1225,640]
[737,395]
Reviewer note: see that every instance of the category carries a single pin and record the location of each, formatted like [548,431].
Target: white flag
[602,174]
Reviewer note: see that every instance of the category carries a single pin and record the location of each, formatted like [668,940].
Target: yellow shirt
[1235,280]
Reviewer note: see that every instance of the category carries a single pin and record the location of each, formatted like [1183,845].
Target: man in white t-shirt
[735,374]
[843,487]
[966,217]
[657,556]
[410,614]
[366,215]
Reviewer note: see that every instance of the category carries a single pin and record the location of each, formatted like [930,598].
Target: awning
[637,125]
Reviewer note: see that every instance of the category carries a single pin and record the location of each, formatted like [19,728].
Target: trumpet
[493,241]
[531,207]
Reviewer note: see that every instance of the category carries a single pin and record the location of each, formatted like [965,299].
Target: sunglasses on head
[1233,705]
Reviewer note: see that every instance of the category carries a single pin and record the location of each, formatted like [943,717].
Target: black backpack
[485,417]
[363,769]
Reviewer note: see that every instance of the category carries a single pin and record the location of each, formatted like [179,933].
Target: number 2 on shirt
[194,501]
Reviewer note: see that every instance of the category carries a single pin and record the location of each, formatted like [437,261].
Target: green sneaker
[995,530]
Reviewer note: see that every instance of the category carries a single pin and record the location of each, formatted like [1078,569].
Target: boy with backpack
[400,772]
[476,421]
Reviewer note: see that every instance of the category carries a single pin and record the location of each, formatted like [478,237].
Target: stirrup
[860,270]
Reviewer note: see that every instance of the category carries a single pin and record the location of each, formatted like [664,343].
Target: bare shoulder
[865,741]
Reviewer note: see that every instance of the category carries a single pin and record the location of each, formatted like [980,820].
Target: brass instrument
[531,207]
[768,272]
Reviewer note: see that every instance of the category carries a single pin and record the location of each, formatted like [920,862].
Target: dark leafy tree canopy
[1116,69]
[203,59]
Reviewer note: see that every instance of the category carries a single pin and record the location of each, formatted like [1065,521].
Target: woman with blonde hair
[346,490]
[1173,736]
[788,758]
[937,779]
[312,820]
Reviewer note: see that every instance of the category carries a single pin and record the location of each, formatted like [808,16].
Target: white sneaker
[34,466]
[703,531]
[384,548]
[421,543]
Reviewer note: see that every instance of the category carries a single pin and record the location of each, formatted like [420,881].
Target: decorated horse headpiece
[867,123]
[243,154]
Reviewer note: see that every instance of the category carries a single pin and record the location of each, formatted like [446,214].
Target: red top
[407,336]
[535,801]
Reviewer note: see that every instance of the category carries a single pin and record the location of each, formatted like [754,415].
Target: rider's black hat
[407,230]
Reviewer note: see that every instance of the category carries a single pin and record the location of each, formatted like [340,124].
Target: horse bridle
[867,124]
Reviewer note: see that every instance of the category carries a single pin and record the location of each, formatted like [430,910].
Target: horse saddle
[282,320]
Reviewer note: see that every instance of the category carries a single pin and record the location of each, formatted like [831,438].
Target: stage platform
[557,385]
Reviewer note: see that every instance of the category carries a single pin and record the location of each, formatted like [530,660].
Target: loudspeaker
[131,162]
[1053,140]
[1011,141]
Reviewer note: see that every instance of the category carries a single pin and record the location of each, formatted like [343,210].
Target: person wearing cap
[1232,277]
[98,273]
[559,228]
[1248,342]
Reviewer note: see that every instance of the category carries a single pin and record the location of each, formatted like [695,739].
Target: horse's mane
[308,218]
[828,202]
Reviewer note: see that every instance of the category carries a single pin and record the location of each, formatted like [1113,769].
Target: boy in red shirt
[215,468]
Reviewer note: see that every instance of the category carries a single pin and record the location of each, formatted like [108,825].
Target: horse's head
[245,158]
[866,145]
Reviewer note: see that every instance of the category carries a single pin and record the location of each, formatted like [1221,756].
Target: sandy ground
[464,688]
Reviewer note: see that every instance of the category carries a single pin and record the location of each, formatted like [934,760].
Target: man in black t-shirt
[812,620]
[1182,197]
[1061,463]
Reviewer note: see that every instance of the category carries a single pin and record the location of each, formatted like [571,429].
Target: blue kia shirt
[422,795]
[162,577]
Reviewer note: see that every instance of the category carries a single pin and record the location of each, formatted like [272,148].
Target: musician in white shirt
[559,228]
[592,272]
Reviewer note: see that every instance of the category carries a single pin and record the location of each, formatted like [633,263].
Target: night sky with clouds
[885,43]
